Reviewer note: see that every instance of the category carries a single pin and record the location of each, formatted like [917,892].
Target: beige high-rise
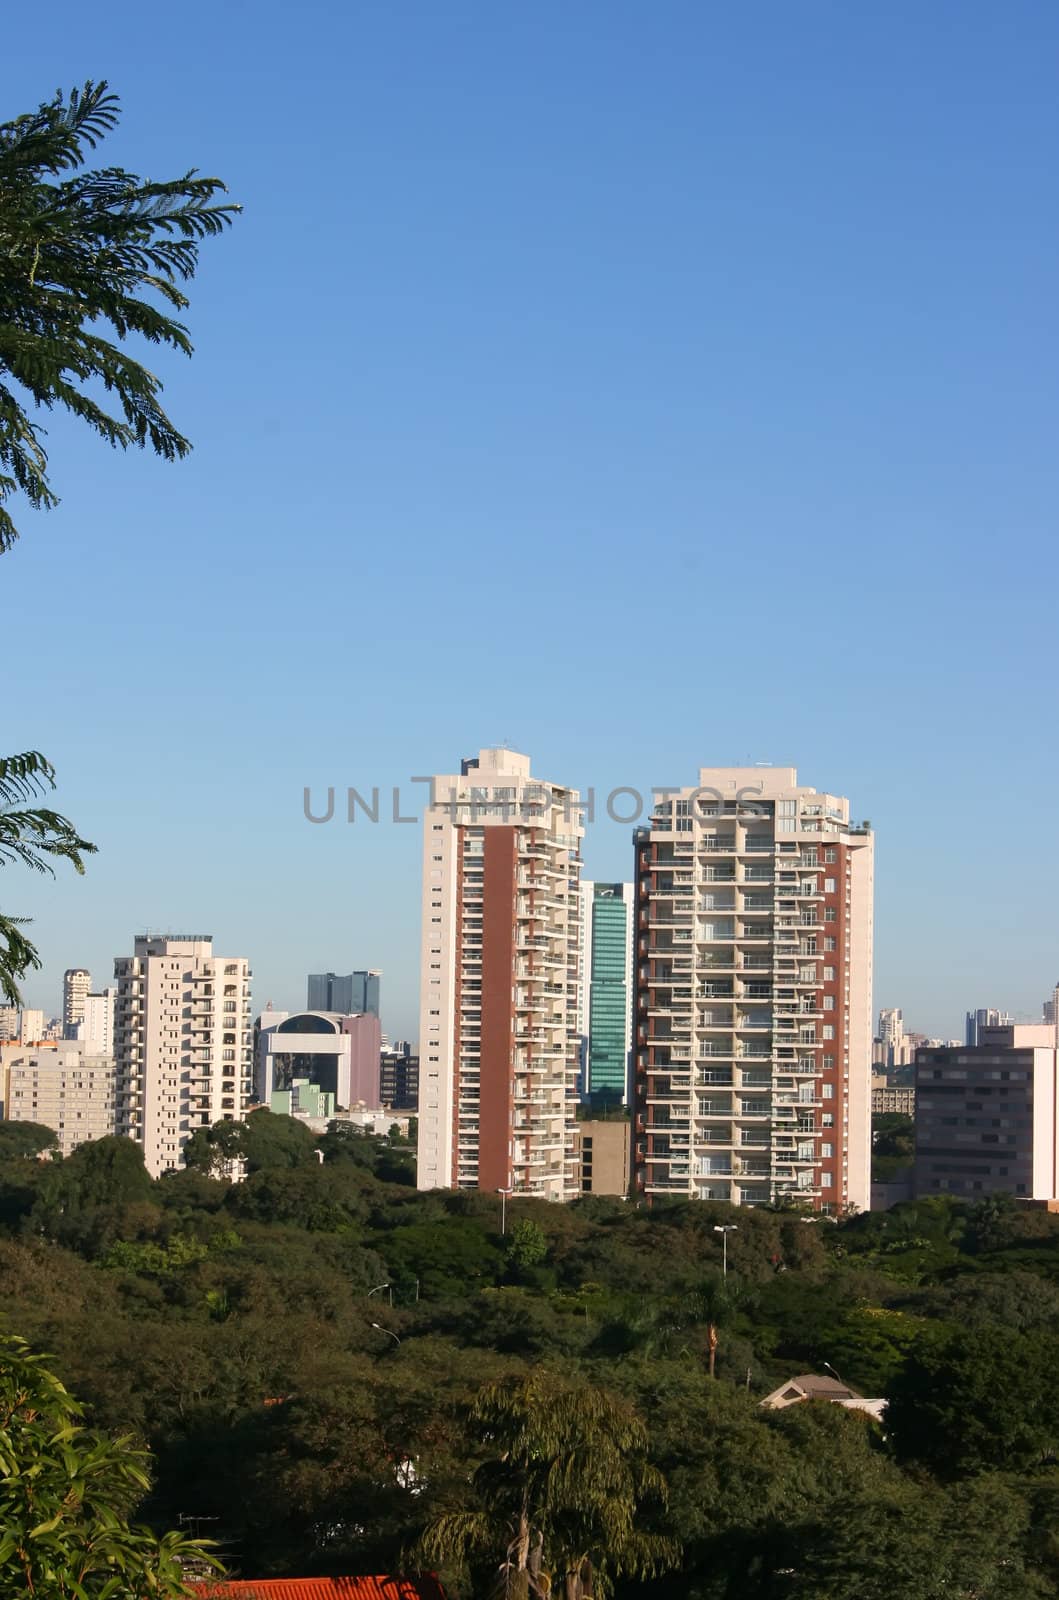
[181,1041]
[754,994]
[499,1043]
[77,981]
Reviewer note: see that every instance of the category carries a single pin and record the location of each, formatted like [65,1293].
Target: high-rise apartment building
[181,1041]
[344,993]
[499,1044]
[9,1023]
[61,1086]
[77,981]
[607,918]
[754,994]
[95,1030]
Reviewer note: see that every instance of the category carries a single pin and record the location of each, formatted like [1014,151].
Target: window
[829,885]
[830,914]
[830,943]
[829,1119]
[829,1091]
[830,854]
[825,1180]
[826,1151]
[829,1002]
[829,974]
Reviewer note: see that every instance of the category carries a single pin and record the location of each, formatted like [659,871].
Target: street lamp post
[379,1327]
[379,1286]
[503,1193]
[729,1227]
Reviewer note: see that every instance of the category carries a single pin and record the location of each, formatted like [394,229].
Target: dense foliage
[245,1334]
[65,1498]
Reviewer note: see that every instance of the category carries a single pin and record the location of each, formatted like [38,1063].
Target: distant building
[61,1087]
[892,1046]
[399,1077]
[9,1027]
[95,1030]
[1050,1011]
[31,1027]
[77,981]
[987,1116]
[345,994]
[603,1152]
[891,1097]
[983,1018]
[605,1003]
[303,1099]
[337,1054]
[181,1042]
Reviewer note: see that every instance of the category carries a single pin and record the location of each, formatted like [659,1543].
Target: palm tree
[558,1493]
[32,836]
[96,248]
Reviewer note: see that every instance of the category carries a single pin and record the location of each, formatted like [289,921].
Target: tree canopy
[84,254]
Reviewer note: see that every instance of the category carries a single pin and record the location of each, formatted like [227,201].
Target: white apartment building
[499,1042]
[182,1042]
[31,1027]
[62,1087]
[754,994]
[95,1030]
[77,981]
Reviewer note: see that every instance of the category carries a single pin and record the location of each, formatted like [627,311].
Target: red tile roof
[426,1588]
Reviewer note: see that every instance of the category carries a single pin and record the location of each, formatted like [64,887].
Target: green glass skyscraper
[606,994]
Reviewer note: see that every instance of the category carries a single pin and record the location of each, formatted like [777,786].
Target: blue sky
[647,386]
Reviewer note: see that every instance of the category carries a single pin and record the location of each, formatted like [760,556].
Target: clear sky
[646,385]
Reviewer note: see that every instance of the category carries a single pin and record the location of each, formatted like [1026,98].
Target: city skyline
[284,985]
[765,344]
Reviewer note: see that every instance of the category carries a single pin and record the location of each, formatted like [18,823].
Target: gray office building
[347,993]
[987,1115]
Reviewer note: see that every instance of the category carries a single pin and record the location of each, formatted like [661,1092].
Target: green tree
[30,835]
[21,1139]
[265,1140]
[80,251]
[559,1493]
[980,1400]
[65,1499]
[527,1246]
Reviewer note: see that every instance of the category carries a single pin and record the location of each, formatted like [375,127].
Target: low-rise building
[886,1096]
[62,1087]
[809,1386]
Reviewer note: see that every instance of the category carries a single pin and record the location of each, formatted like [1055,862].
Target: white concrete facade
[95,1030]
[182,1042]
[77,981]
[499,1040]
[754,994]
